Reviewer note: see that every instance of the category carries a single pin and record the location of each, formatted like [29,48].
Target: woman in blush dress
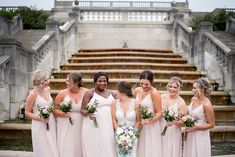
[126,111]
[198,142]
[149,144]
[69,135]
[44,141]
[172,102]
[98,140]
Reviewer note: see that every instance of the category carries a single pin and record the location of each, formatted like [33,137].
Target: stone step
[126,65]
[126,59]
[225,114]
[226,38]
[160,84]
[217,97]
[132,73]
[124,49]
[23,131]
[126,53]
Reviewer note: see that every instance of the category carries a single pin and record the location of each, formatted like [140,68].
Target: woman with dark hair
[198,142]
[149,144]
[126,112]
[98,140]
[69,133]
[175,106]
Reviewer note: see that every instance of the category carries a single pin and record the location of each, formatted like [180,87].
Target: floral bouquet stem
[164,131]
[184,136]
[70,120]
[95,123]
[47,125]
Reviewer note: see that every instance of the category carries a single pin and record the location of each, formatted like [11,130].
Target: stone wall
[114,35]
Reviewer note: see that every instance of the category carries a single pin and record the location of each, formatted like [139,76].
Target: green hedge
[218,20]
[32,18]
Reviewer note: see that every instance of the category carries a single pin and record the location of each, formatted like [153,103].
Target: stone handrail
[209,54]
[3,61]
[11,8]
[10,26]
[124,4]
[230,26]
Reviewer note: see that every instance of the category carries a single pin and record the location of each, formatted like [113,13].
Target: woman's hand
[92,116]
[191,129]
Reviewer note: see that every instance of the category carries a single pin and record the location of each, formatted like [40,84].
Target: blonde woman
[198,140]
[44,141]
[172,102]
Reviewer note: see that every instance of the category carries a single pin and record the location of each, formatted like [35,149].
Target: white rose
[67,100]
[171,113]
[44,111]
[119,131]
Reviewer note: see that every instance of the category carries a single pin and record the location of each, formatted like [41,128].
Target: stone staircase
[126,64]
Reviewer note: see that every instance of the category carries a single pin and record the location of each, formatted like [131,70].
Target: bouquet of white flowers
[126,137]
[92,108]
[146,113]
[45,112]
[169,116]
[66,107]
[189,121]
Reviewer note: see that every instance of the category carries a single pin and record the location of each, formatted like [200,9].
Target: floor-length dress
[149,144]
[68,135]
[44,141]
[128,119]
[172,140]
[198,142]
[99,141]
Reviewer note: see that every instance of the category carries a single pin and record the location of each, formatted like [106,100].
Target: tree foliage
[219,20]
[31,17]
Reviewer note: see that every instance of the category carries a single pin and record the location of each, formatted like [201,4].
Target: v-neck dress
[44,141]
[129,119]
[69,136]
[99,142]
[172,140]
[149,144]
[198,142]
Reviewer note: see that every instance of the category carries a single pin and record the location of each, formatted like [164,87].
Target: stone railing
[10,26]
[121,11]
[4,88]
[48,53]
[123,4]
[205,51]
[11,8]
[230,26]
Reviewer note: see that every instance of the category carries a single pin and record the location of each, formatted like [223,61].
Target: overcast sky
[195,5]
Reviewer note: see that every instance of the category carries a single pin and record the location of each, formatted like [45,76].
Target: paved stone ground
[30,154]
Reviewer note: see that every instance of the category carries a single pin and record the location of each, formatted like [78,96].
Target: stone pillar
[175,35]
[17,72]
[199,58]
[75,16]
[230,77]
[53,25]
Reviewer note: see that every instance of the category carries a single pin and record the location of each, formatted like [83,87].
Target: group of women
[114,108]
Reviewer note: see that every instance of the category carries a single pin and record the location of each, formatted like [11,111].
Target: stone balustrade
[10,26]
[209,54]
[230,25]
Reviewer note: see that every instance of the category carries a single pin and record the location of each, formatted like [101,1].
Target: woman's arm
[157,105]
[210,118]
[114,118]
[30,101]
[86,98]
[182,110]
[138,116]
[58,100]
